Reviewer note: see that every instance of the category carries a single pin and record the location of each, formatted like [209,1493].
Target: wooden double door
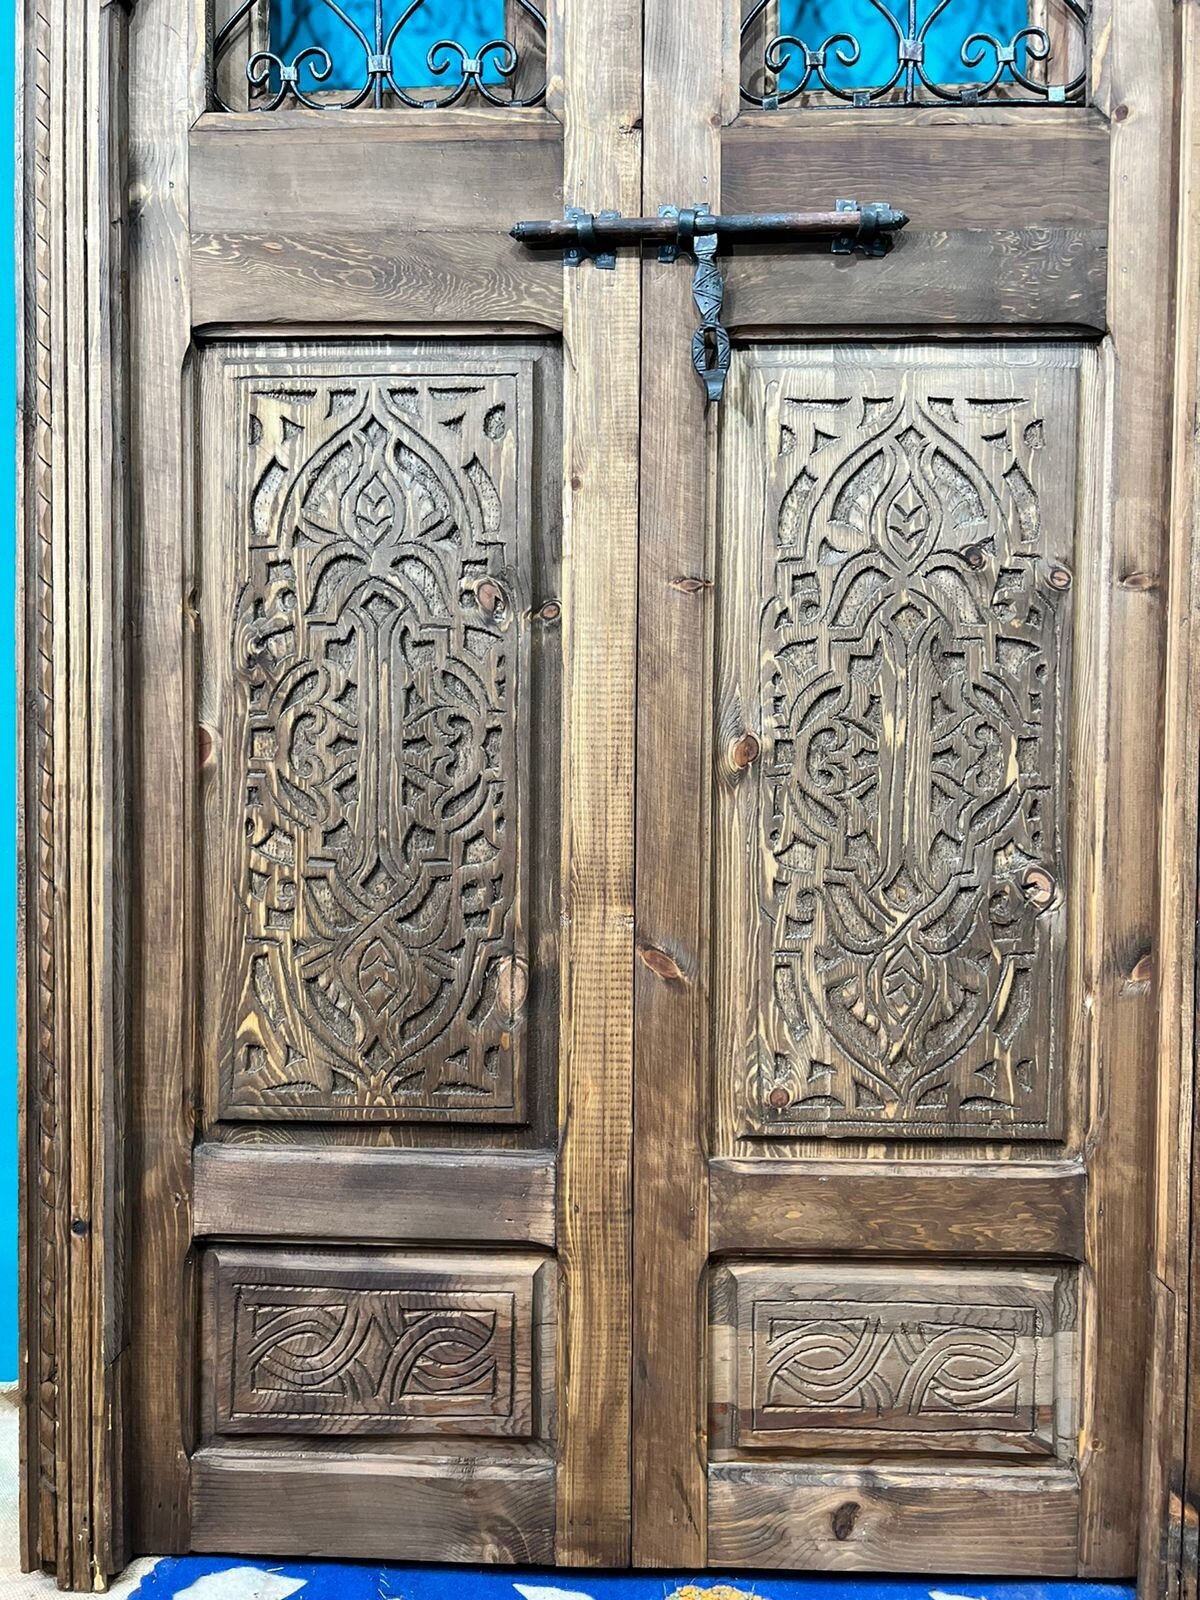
[635,914]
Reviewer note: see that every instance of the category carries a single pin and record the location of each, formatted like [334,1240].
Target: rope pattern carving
[41,671]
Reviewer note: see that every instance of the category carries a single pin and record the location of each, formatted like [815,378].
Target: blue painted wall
[8,744]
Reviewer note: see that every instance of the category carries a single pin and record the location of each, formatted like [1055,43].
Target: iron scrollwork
[1018,68]
[488,71]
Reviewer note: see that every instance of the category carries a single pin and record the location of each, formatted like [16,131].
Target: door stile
[1133,77]
[1168,1549]
[683,73]
[602,104]
[166,94]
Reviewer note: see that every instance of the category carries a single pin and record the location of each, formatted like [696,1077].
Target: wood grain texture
[894,1519]
[1168,1555]
[922,1360]
[372,216]
[1134,81]
[74,532]
[459,1197]
[309,1342]
[893,704]
[681,166]
[1008,217]
[601,96]
[166,92]
[901,1208]
[440,1509]
[365,696]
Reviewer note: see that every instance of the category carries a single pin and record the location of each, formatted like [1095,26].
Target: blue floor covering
[335,1580]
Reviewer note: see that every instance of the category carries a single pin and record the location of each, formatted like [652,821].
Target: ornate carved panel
[364,673]
[897,637]
[815,1357]
[384,1344]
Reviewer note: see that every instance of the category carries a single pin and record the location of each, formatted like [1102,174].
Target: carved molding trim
[71,387]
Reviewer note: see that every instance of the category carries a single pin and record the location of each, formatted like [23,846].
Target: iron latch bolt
[696,232]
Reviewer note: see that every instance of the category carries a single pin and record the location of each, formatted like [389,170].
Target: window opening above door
[341,54]
[913,52]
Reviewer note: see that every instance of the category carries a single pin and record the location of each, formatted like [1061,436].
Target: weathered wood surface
[599,79]
[916,1210]
[894,1519]
[1168,1553]
[71,559]
[166,92]
[681,165]
[373,216]
[1134,82]
[448,1509]
[1008,217]
[403,1196]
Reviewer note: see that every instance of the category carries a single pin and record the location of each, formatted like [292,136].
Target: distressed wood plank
[1167,1547]
[359,218]
[894,1520]
[1134,81]
[903,1209]
[449,1509]
[461,1197]
[601,86]
[681,164]
[1008,217]
[166,93]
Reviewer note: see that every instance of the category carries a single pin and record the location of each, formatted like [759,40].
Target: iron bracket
[586,246]
[873,236]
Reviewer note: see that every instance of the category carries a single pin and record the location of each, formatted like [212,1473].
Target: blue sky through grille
[814,21]
[296,24]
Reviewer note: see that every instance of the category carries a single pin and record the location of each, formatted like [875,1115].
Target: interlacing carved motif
[898,1365]
[913,643]
[372,1352]
[378,664]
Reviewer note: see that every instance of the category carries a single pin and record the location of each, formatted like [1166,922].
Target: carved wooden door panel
[896,644]
[380,1104]
[589,950]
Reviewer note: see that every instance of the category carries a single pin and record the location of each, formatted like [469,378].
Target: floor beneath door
[249,1578]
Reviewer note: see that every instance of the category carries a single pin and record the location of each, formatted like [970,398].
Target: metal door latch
[695,232]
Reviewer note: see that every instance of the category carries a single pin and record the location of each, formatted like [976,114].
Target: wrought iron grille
[340,54]
[921,52]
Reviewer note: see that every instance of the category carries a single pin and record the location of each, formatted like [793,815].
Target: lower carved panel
[308,1342]
[892,1359]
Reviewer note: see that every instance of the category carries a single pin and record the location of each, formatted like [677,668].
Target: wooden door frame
[75,214]
[72,517]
